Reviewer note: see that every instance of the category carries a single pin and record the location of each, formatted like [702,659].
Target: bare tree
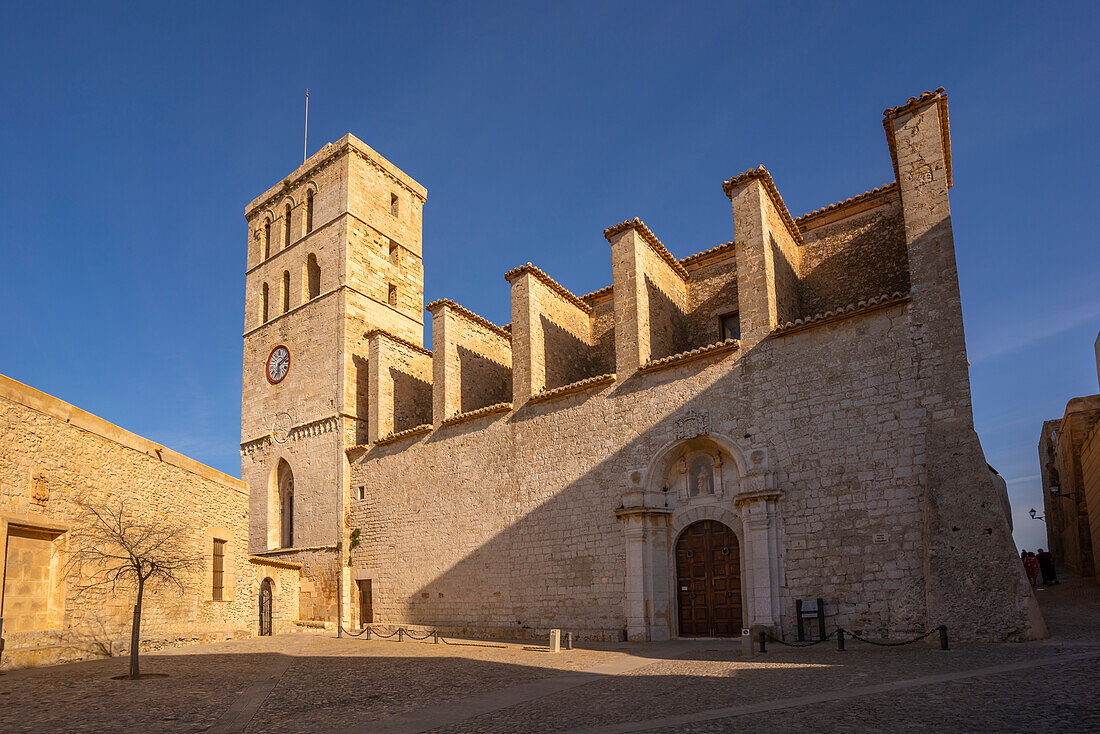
[113,547]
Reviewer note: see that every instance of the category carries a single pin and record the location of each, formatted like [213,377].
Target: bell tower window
[286,291]
[267,239]
[263,304]
[286,226]
[393,204]
[309,212]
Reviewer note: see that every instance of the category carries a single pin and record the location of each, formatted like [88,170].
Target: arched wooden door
[708,580]
[265,607]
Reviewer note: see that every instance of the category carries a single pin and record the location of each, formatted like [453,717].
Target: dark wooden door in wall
[265,607]
[366,603]
[708,580]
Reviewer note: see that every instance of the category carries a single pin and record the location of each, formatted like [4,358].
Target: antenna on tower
[305,135]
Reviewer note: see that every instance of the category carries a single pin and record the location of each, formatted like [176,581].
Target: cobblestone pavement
[314,682]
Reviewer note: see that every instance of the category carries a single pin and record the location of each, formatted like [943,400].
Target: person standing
[1031,567]
[1046,566]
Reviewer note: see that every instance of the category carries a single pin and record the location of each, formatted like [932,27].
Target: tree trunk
[135,631]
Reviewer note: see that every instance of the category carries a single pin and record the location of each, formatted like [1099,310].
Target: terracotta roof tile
[765,178]
[850,201]
[939,97]
[572,387]
[550,283]
[447,302]
[691,354]
[407,433]
[651,240]
[397,339]
[470,414]
[712,251]
[858,307]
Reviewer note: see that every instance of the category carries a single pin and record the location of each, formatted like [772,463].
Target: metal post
[821,619]
[839,640]
[568,640]
[1,640]
[368,632]
[400,634]
[943,637]
[435,637]
[801,624]
[763,642]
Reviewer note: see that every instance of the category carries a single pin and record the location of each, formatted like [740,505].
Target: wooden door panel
[708,580]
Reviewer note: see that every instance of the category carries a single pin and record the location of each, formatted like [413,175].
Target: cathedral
[693,450]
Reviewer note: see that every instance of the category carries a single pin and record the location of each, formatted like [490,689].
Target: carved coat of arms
[692,423]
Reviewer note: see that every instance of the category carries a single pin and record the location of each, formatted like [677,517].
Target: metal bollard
[400,634]
[763,642]
[367,633]
[568,640]
[435,637]
[839,640]
[943,637]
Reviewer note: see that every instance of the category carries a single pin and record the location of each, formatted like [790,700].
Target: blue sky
[133,136]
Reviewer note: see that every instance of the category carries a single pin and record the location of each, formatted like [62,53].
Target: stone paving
[314,682]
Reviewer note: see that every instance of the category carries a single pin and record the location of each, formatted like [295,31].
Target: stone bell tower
[334,252]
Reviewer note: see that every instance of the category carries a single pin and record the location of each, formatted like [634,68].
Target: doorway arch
[708,580]
[267,598]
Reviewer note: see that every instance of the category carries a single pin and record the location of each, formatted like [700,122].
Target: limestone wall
[1090,480]
[472,362]
[712,293]
[52,454]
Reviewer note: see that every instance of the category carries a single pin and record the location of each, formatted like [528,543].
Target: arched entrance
[708,580]
[266,599]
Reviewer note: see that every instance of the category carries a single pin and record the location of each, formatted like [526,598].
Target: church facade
[689,451]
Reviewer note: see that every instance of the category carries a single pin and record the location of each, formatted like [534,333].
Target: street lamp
[1033,514]
[1056,491]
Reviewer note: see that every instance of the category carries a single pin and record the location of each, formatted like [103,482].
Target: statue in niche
[700,475]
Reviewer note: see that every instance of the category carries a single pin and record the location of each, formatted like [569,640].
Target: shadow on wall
[412,400]
[859,262]
[569,359]
[483,381]
[668,333]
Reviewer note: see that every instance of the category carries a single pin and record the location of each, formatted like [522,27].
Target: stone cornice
[468,314]
[550,283]
[698,353]
[397,340]
[69,414]
[324,157]
[650,239]
[761,174]
[937,97]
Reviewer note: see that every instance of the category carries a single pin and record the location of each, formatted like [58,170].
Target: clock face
[278,363]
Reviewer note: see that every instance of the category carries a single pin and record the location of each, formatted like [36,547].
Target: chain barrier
[840,632]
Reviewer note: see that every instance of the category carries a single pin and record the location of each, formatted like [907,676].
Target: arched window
[263,304]
[700,471]
[285,479]
[309,211]
[267,239]
[286,291]
[313,276]
[286,226]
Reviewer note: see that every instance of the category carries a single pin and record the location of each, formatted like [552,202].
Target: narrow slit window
[362,492]
[219,570]
[267,239]
[309,212]
[313,274]
[393,295]
[395,252]
[263,304]
[286,226]
[731,326]
[393,204]
[286,291]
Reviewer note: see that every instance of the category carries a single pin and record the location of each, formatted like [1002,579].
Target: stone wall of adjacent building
[1090,481]
[53,455]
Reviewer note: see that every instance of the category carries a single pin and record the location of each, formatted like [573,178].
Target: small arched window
[286,226]
[286,291]
[267,239]
[313,277]
[263,304]
[309,211]
[285,478]
[700,470]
